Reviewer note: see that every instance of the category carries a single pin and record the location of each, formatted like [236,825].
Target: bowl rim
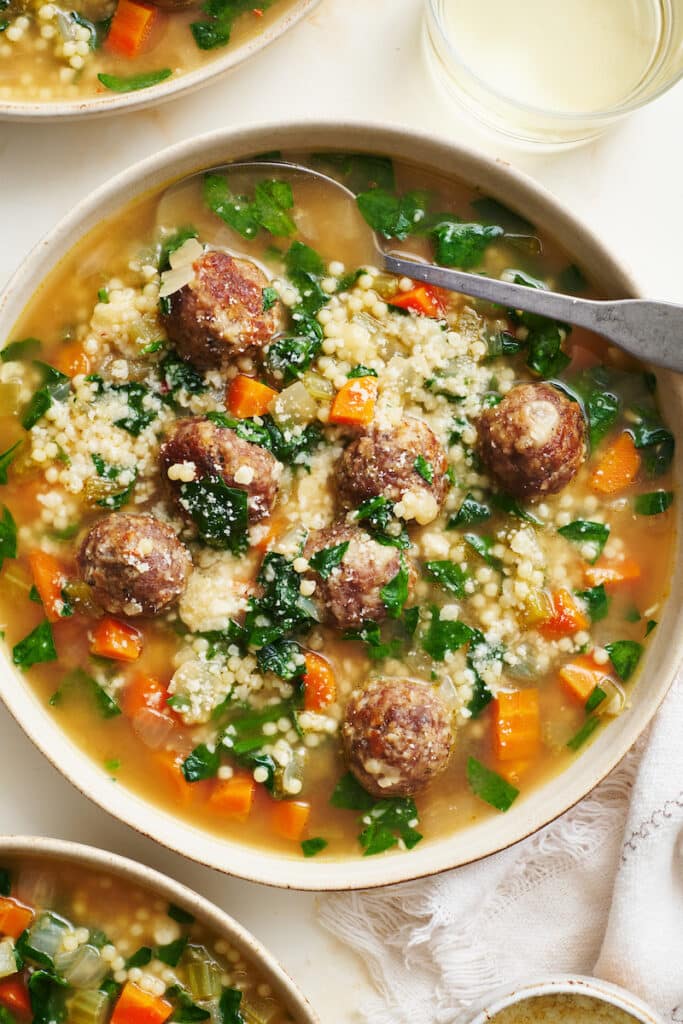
[160,884]
[35,112]
[228,855]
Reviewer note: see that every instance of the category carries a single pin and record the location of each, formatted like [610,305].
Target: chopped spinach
[78,679]
[449,575]
[6,459]
[37,647]
[269,297]
[171,953]
[584,531]
[140,958]
[490,786]
[289,447]
[392,215]
[653,440]
[424,469]
[106,471]
[395,593]
[601,404]
[201,764]
[171,244]
[595,699]
[283,657]
[652,504]
[471,511]
[131,83]
[27,348]
[140,413]
[492,212]
[309,847]
[386,821]
[281,609]
[483,547]
[361,371]
[55,388]
[370,633]
[289,357]
[481,653]
[377,517]
[268,208]
[47,992]
[231,998]
[219,512]
[462,245]
[503,344]
[8,536]
[179,375]
[180,915]
[360,171]
[624,655]
[444,635]
[596,601]
[327,559]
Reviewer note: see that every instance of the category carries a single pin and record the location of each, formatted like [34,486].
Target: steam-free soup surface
[310,556]
[569,1008]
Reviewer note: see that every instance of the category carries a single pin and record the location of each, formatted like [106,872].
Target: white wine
[573,56]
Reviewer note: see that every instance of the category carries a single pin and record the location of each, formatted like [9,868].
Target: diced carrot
[423,298]
[354,403]
[143,691]
[233,797]
[612,572]
[566,617]
[290,818]
[320,686]
[618,466]
[130,28]
[277,525]
[516,725]
[135,1006]
[581,676]
[14,995]
[49,578]
[170,766]
[248,397]
[71,359]
[15,917]
[115,639]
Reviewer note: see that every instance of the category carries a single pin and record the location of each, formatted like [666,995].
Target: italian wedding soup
[315,557]
[49,51]
[87,947]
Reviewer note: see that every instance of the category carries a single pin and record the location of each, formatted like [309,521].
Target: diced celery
[8,963]
[203,974]
[318,387]
[257,1010]
[89,1006]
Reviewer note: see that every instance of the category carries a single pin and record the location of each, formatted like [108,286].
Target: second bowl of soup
[348,578]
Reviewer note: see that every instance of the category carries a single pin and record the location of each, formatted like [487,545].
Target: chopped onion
[88,1007]
[294,407]
[46,934]
[153,727]
[8,963]
[257,1010]
[83,967]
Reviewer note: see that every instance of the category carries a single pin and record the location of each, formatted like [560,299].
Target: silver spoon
[651,331]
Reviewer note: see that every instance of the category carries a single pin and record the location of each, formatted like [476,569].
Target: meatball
[534,441]
[198,448]
[351,593]
[387,461]
[135,564]
[220,312]
[397,736]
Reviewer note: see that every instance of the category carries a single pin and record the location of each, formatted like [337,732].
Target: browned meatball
[135,564]
[387,461]
[220,312]
[534,441]
[351,594]
[198,448]
[397,736]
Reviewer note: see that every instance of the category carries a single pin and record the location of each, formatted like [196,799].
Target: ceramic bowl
[114,103]
[561,984]
[59,851]
[541,805]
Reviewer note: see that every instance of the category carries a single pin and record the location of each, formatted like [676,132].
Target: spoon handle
[651,331]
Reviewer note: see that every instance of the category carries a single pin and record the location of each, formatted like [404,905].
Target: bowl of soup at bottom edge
[546,802]
[102,893]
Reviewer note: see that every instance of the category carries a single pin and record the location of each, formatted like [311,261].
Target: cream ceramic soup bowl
[184,82]
[58,851]
[538,807]
[561,984]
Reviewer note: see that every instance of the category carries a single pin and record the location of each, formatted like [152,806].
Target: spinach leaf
[281,609]
[490,786]
[546,357]
[6,459]
[269,297]
[471,511]
[572,280]
[179,375]
[106,471]
[267,209]
[624,655]
[362,371]
[37,647]
[327,559]
[171,953]
[424,469]
[215,30]
[16,351]
[131,83]
[309,847]
[47,992]
[186,1011]
[395,593]
[283,657]
[171,244]
[180,915]
[584,531]
[392,215]
[503,344]
[390,819]
[291,448]
[231,998]
[219,512]
[289,357]
[652,504]
[596,600]
[600,400]
[653,439]
[449,575]
[595,699]
[77,678]
[584,733]
[140,958]
[462,245]
[8,536]
[140,414]
[361,171]
[444,635]
[55,388]
[651,623]
[492,212]
[377,517]
[201,764]
[483,546]
[370,633]
[480,654]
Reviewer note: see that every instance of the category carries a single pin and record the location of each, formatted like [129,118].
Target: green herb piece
[33,595]
[106,471]
[462,245]
[370,633]
[596,601]
[201,764]
[140,414]
[281,609]
[493,212]
[651,623]
[179,375]
[653,439]
[326,560]
[504,503]
[652,504]
[78,678]
[546,357]
[172,243]
[16,351]
[283,657]
[219,512]
[131,83]
[361,371]
[632,614]
[503,344]
[180,915]
[103,295]
[444,635]
[490,786]
[309,847]
[360,171]
[385,821]
[68,533]
[483,546]
[216,28]
[595,699]
[290,357]
[449,575]
[37,647]
[8,536]
[55,388]
[395,593]
[270,297]
[391,215]
[583,531]
[424,469]
[111,765]
[480,654]
[140,958]
[231,998]
[470,512]
[377,517]
[584,733]
[172,952]
[6,459]
[624,655]
[572,280]
[47,993]
[268,208]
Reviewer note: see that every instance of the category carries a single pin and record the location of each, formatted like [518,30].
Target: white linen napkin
[599,891]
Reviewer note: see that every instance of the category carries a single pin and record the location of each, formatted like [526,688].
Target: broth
[488,569]
[570,1008]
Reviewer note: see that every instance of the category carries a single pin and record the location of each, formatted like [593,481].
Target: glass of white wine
[555,71]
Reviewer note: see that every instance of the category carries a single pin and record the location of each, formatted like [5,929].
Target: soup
[84,946]
[315,557]
[99,47]
[565,1007]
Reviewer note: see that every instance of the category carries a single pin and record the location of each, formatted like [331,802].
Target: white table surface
[350,58]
